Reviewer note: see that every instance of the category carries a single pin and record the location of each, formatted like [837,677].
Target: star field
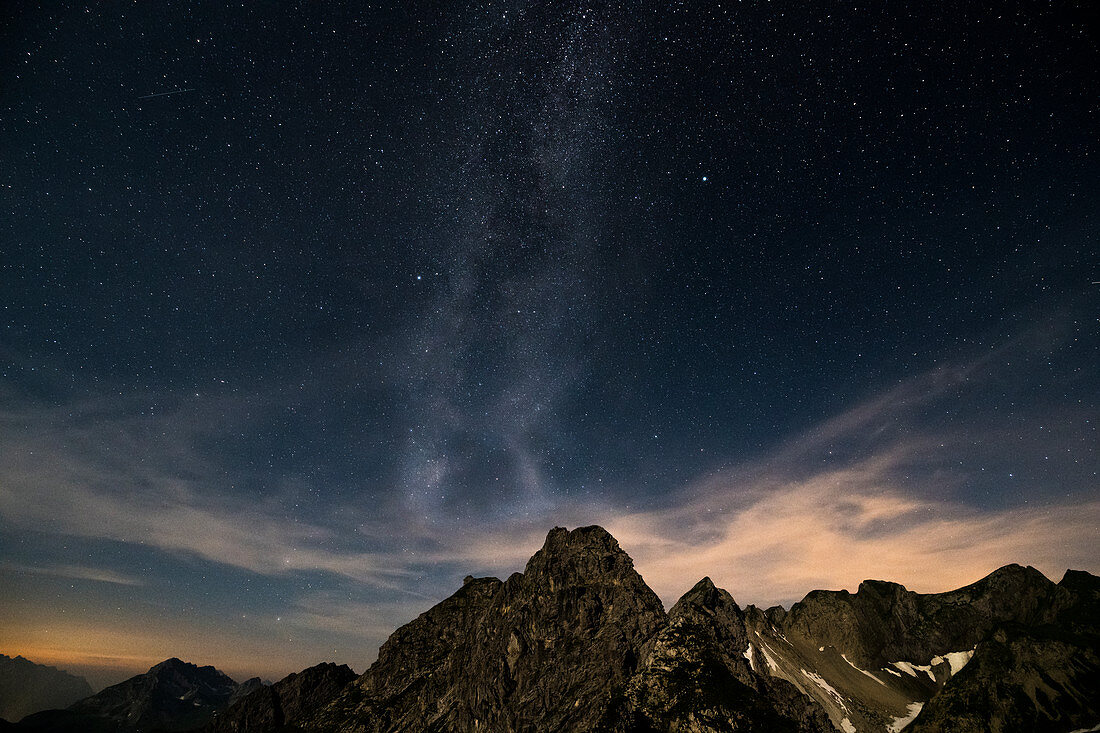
[310,310]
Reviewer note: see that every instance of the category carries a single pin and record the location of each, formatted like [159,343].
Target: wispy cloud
[99,575]
[837,527]
[881,489]
[225,532]
[890,488]
[329,612]
[89,471]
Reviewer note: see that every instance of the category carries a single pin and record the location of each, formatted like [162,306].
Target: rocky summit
[541,650]
[579,642]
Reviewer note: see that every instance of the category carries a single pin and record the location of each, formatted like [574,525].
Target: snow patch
[820,682]
[900,723]
[1093,729]
[847,727]
[957,660]
[768,658]
[821,648]
[911,669]
[863,671]
[887,669]
[748,656]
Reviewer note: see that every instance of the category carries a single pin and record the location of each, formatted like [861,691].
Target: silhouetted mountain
[172,696]
[245,689]
[26,687]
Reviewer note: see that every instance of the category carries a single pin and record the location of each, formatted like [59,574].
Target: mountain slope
[281,707]
[694,677]
[26,687]
[1040,677]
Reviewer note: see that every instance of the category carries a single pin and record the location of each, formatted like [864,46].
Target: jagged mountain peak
[177,665]
[172,695]
[283,706]
[1079,579]
[705,595]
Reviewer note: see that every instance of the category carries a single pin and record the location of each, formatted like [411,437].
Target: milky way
[311,311]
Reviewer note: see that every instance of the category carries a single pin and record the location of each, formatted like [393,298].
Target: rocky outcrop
[26,687]
[695,677]
[540,651]
[282,707]
[1039,676]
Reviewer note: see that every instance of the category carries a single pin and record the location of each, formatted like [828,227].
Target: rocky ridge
[578,642]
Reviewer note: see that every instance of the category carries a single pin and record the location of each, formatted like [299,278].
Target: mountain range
[579,642]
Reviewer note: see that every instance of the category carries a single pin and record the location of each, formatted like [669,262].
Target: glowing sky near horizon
[308,314]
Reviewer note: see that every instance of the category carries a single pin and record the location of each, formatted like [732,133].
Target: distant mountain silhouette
[578,642]
[172,696]
[26,687]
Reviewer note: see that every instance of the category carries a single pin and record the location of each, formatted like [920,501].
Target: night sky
[308,310]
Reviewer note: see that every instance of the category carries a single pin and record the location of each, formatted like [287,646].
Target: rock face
[876,658]
[884,622]
[1042,676]
[696,678]
[281,707]
[540,651]
[26,687]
